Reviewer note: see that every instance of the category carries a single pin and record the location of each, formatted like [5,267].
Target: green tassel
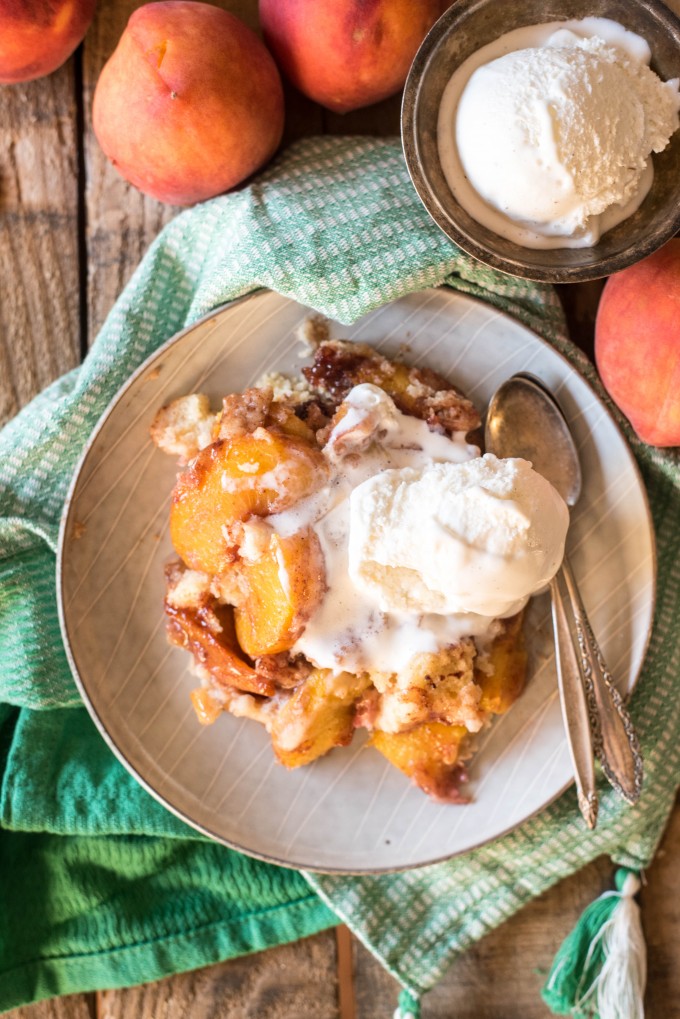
[409,1006]
[600,968]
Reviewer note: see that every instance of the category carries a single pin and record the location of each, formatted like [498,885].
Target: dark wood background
[71,233]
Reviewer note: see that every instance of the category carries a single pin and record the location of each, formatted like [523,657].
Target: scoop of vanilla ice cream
[477,537]
[553,135]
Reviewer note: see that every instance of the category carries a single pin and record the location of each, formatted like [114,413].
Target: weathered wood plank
[121,222]
[661,920]
[580,303]
[345,966]
[291,982]
[73,1006]
[40,301]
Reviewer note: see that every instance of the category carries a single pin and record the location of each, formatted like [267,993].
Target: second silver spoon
[524,419]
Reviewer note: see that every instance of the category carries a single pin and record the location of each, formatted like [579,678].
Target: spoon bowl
[524,419]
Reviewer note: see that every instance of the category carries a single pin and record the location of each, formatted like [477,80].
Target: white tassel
[409,1006]
[619,988]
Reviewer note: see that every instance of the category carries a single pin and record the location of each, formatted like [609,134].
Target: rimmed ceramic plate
[350,811]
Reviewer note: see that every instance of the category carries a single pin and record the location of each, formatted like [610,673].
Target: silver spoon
[524,419]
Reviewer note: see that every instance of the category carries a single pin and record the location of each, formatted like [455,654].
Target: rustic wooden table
[71,233]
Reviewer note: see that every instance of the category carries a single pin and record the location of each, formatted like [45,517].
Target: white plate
[350,811]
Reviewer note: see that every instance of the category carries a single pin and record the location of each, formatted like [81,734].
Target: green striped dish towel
[102,887]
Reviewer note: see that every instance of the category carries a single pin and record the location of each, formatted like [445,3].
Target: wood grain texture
[73,1006]
[120,221]
[580,308]
[346,997]
[40,299]
[291,982]
[660,898]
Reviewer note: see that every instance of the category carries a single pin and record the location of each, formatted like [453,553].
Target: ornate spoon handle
[575,709]
[615,741]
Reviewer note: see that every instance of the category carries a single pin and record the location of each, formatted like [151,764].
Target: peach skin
[230,481]
[189,104]
[347,53]
[38,36]
[637,344]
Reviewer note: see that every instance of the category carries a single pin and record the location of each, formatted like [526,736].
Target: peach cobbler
[348,559]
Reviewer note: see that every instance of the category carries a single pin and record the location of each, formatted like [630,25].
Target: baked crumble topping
[253,570]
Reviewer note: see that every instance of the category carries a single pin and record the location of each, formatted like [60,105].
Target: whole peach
[347,53]
[38,36]
[637,344]
[190,102]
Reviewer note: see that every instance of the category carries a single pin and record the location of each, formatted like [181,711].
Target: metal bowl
[461,31]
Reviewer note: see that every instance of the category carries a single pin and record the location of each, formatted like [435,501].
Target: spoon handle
[614,738]
[575,709]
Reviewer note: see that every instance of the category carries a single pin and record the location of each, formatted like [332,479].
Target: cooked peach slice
[231,480]
[318,716]
[209,634]
[430,755]
[281,588]
[207,709]
[504,675]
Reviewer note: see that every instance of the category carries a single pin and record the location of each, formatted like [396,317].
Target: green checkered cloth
[101,886]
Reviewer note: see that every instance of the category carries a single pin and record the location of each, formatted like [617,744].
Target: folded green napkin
[101,886]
